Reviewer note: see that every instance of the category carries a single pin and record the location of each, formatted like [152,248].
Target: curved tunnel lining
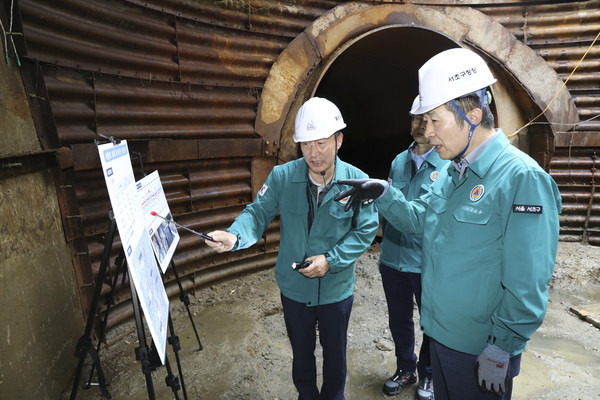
[526,82]
[373,82]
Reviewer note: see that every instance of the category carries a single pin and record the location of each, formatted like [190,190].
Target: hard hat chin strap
[473,126]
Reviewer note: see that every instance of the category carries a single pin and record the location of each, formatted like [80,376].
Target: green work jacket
[400,250]
[489,248]
[343,235]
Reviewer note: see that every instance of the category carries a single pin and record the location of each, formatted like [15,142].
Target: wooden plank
[589,313]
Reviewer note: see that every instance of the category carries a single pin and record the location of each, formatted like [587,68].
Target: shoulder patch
[263,190]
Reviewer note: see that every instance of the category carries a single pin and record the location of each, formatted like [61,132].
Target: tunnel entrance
[365,59]
[374,82]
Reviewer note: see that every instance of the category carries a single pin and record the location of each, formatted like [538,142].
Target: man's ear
[475,116]
[340,139]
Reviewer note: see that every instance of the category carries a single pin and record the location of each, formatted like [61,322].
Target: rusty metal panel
[86,105]
[562,34]
[167,45]
[101,36]
[217,57]
[181,80]
[575,170]
[280,18]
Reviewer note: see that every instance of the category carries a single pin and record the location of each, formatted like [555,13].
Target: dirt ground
[246,353]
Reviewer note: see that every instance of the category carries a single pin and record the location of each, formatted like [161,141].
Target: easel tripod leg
[119,264]
[84,346]
[174,341]
[186,301]
[142,351]
[171,380]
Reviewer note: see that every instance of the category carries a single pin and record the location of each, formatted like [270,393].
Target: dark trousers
[399,288]
[454,375]
[301,323]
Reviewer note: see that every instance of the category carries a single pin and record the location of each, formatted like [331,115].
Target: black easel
[84,346]
[185,299]
[120,271]
[183,296]
[173,339]
[147,355]
[142,353]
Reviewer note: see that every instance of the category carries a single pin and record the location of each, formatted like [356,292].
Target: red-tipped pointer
[170,221]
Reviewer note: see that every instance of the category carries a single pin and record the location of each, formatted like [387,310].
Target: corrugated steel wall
[562,34]
[181,80]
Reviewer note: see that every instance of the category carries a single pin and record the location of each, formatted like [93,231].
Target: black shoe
[398,382]
[425,390]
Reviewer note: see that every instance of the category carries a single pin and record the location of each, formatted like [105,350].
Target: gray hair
[470,102]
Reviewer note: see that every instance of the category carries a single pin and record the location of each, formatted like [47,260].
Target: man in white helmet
[490,233]
[319,244]
[412,172]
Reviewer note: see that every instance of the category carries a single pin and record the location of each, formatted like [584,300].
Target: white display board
[164,235]
[143,270]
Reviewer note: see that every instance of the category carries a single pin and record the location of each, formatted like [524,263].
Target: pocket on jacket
[437,204]
[472,215]
[337,211]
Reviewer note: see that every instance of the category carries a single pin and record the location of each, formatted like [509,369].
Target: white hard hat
[317,119]
[415,106]
[451,74]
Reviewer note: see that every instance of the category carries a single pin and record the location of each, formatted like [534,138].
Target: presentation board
[136,243]
[163,235]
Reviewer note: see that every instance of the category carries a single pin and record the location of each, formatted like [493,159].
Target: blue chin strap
[473,126]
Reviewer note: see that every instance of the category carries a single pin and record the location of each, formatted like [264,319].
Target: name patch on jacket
[527,209]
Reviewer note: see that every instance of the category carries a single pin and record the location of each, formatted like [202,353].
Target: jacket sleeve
[529,255]
[391,178]
[406,216]
[250,225]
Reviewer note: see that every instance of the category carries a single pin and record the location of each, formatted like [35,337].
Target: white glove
[491,369]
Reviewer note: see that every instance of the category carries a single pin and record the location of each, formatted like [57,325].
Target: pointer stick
[170,221]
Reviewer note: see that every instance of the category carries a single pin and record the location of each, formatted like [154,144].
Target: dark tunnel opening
[374,83]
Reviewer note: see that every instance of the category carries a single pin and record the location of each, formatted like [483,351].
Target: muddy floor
[246,354]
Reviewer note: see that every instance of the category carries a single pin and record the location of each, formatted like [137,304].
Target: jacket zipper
[319,294]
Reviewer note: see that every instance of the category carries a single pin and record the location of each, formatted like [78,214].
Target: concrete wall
[40,315]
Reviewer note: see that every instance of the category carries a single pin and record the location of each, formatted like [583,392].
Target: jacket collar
[488,156]
[300,173]
[432,159]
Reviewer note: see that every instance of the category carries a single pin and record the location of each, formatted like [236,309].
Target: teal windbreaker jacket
[344,235]
[489,248]
[400,250]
